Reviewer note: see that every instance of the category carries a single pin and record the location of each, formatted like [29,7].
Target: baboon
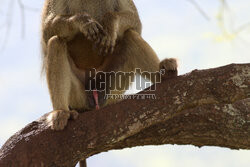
[78,35]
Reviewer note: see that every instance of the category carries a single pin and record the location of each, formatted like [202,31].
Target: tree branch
[203,108]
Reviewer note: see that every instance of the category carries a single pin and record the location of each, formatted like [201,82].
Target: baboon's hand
[88,26]
[93,31]
[108,42]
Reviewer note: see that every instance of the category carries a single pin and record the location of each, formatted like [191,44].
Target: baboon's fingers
[96,31]
[74,114]
[100,28]
[102,45]
[112,46]
[107,46]
[91,32]
[112,49]
[103,41]
[98,40]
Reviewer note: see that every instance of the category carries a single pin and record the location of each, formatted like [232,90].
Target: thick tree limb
[202,108]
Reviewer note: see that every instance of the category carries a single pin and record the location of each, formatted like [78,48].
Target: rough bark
[203,108]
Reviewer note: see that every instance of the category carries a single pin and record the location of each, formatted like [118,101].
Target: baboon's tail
[83,163]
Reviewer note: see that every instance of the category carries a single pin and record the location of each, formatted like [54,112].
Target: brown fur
[81,34]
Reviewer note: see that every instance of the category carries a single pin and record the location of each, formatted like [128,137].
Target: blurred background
[200,33]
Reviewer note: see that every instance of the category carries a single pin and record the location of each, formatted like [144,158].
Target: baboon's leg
[58,74]
[133,52]
[65,89]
